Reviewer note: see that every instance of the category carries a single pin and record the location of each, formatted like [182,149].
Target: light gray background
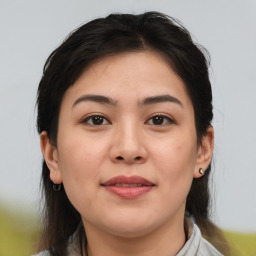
[30,30]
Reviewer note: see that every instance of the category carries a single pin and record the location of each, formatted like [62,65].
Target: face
[127,148]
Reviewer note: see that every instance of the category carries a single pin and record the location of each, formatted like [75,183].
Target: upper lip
[127,180]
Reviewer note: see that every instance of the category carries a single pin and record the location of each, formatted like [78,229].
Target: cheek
[80,155]
[79,163]
[177,153]
[175,160]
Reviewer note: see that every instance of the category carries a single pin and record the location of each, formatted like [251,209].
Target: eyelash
[104,121]
[167,120]
[86,120]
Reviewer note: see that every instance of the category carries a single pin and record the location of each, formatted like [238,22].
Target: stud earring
[201,171]
[57,187]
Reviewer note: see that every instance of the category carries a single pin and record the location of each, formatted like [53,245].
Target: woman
[124,116]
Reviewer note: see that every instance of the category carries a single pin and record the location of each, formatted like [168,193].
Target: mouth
[128,187]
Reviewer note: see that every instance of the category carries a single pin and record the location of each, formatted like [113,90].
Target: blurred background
[30,30]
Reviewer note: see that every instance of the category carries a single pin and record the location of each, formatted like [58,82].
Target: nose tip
[128,152]
[128,144]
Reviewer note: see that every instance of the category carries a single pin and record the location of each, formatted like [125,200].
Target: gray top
[195,246]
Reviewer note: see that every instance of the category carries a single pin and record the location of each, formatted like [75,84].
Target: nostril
[136,159]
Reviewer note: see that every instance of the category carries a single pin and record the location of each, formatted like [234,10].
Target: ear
[50,154]
[204,153]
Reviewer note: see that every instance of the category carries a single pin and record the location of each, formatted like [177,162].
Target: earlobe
[51,158]
[204,153]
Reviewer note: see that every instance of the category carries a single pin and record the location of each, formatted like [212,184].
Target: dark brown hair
[99,38]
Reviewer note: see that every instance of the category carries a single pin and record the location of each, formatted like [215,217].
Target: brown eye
[159,120]
[96,120]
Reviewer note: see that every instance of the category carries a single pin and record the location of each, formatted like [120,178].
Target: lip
[128,187]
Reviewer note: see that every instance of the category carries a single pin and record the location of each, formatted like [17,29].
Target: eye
[159,120]
[96,120]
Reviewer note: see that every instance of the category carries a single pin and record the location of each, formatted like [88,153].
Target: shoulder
[43,253]
[197,245]
[206,248]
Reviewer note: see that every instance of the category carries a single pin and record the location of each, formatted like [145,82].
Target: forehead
[140,74]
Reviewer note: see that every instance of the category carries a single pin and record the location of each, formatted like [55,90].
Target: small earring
[57,187]
[201,171]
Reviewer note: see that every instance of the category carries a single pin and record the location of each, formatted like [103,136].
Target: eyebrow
[107,100]
[95,98]
[160,99]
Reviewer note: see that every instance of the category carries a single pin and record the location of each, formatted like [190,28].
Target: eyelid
[166,116]
[89,116]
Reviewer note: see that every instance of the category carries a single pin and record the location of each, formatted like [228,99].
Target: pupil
[97,120]
[158,120]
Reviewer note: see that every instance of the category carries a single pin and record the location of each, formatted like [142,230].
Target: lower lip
[128,192]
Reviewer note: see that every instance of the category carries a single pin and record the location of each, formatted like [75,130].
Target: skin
[128,141]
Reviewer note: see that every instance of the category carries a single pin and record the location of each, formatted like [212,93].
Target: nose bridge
[128,144]
[129,135]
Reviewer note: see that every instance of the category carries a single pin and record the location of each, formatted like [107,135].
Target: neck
[165,241]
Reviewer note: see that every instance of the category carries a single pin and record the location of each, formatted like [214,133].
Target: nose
[128,146]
